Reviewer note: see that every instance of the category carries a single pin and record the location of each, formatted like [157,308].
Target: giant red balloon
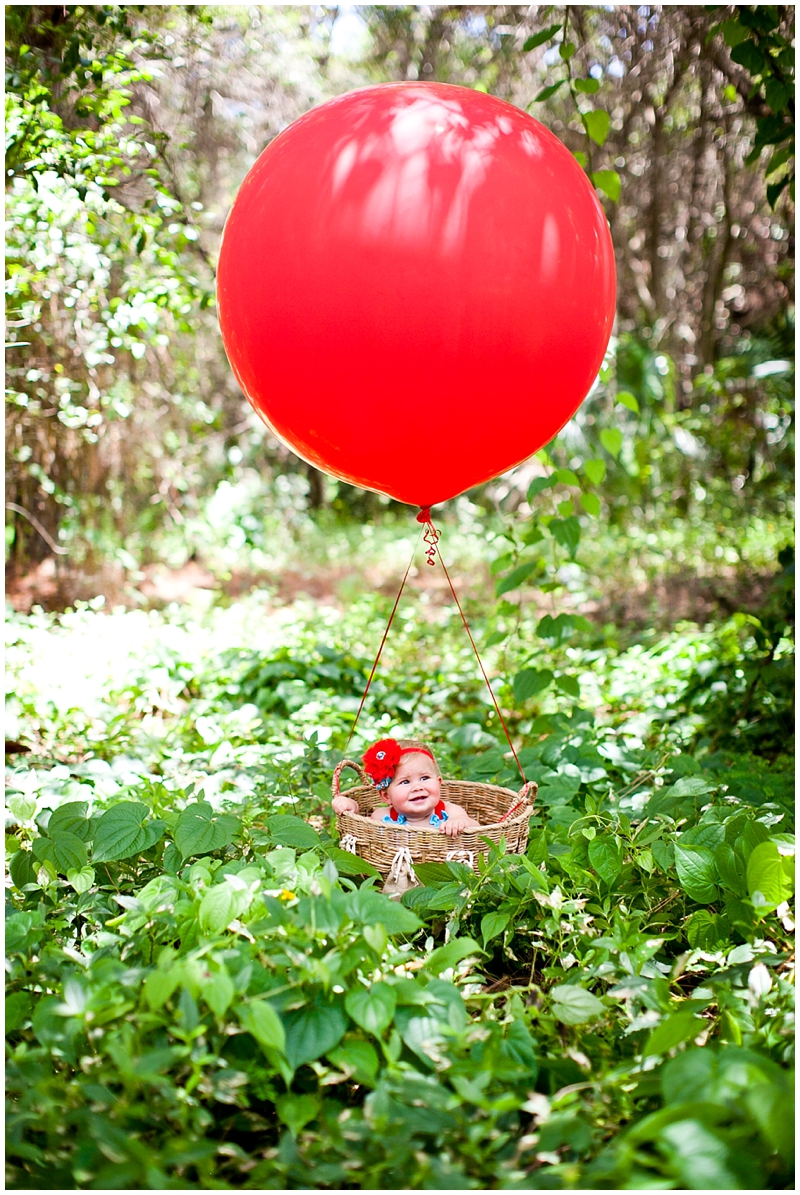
[416,288]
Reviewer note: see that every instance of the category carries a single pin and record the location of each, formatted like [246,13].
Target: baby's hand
[455,823]
[344,805]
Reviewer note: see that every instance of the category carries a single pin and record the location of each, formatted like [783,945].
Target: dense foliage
[205,990]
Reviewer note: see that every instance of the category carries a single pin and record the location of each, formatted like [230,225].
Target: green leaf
[566,50]
[81,879]
[121,832]
[539,485]
[569,685]
[595,470]
[357,1058]
[372,1008]
[515,578]
[565,477]
[573,1005]
[591,504]
[433,873]
[71,819]
[673,1030]
[531,681]
[538,39]
[450,954]
[199,830]
[217,909]
[597,123]
[373,908]
[313,1031]
[609,182]
[218,991]
[626,399]
[697,872]
[22,868]
[605,857]
[566,532]
[768,883]
[66,852]
[731,869]
[733,33]
[546,92]
[289,830]
[296,1111]
[587,86]
[748,55]
[611,439]
[260,1018]
[492,925]
[22,809]
[159,986]
[706,930]
[689,786]
[580,158]
[349,864]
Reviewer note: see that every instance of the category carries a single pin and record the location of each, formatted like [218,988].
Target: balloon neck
[424,515]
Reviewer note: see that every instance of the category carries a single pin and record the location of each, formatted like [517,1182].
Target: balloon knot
[424,515]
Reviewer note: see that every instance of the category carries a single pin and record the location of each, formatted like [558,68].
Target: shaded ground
[667,600]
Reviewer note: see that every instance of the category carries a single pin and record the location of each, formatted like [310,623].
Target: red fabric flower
[381,761]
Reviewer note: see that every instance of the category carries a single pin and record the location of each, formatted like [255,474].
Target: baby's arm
[344,805]
[457,820]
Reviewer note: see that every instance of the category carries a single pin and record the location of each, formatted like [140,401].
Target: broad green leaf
[569,685]
[199,830]
[611,439]
[573,1005]
[159,986]
[566,532]
[566,477]
[591,504]
[18,1010]
[768,883]
[289,830]
[595,470]
[566,50]
[515,578]
[689,786]
[597,123]
[733,33]
[697,872]
[376,936]
[81,879]
[433,873]
[605,857]
[66,852]
[372,1008]
[609,183]
[313,1031]
[449,955]
[492,925]
[373,908]
[22,809]
[706,930]
[296,1111]
[121,832]
[71,818]
[538,485]
[357,1058]
[538,39]
[626,399]
[22,868]
[218,991]
[348,864]
[673,1030]
[260,1018]
[531,681]
[587,86]
[217,909]
[731,869]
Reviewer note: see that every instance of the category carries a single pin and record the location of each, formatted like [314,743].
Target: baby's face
[416,788]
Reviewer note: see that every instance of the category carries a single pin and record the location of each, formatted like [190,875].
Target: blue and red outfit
[438,816]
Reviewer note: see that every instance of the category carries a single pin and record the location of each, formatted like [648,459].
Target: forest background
[194,612]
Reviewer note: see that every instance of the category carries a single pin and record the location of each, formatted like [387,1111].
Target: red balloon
[416,288]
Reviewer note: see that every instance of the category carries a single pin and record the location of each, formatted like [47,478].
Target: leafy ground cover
[204,991]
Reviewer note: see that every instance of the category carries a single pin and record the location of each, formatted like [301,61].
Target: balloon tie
[431,535]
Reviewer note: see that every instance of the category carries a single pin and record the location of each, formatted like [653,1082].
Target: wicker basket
[489,804]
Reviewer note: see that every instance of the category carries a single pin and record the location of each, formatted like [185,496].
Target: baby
[407,773]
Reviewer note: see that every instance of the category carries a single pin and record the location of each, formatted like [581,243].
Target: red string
[383,641]
[483,670]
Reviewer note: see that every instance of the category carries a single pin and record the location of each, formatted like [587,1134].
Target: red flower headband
[382,759]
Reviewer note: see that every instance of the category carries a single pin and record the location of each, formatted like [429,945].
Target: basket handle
[529,789]
[337,771]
